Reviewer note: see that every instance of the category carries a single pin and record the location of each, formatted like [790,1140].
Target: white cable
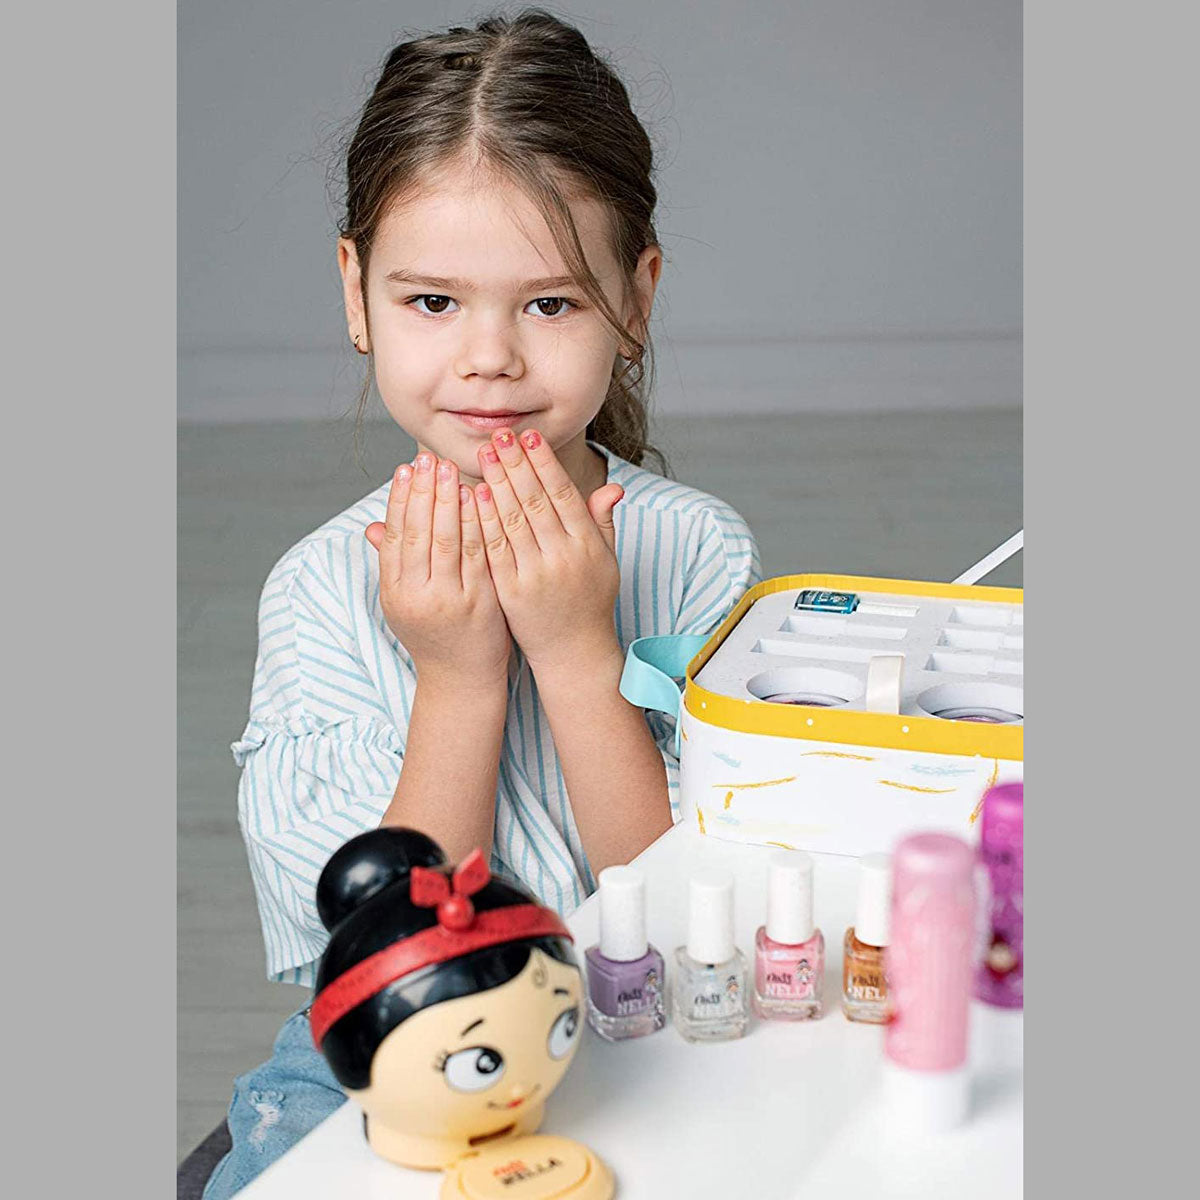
[992,561]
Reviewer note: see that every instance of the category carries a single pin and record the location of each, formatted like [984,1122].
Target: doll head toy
[448,1007]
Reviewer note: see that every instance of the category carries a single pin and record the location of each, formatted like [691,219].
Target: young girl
[445,655]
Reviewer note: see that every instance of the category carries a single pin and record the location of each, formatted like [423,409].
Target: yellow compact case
[537,1167]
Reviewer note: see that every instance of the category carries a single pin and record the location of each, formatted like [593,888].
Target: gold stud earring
[356,345]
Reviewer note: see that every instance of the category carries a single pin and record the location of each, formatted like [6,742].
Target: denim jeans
[274,1106]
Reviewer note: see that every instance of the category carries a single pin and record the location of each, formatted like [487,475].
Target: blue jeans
[274,1106]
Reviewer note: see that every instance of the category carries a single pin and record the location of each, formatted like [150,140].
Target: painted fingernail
[445,471]
[464,495]
[484,493]
[424,462]
[403,473]
[504,438]
[490,456]
[531,439]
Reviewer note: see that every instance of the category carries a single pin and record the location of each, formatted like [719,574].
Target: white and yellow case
[879,763]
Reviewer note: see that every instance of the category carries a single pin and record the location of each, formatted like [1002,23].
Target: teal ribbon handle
[652,664]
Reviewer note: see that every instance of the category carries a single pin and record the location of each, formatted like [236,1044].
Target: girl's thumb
[601,504]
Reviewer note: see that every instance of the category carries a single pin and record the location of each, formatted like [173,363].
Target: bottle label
[641,998]
[790,981]
[718,998]
[862,983]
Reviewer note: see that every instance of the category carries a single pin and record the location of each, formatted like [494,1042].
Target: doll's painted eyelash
[439,1063]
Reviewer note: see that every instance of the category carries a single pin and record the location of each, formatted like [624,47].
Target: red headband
[459,931]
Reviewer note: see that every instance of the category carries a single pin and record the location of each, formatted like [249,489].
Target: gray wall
[840,193]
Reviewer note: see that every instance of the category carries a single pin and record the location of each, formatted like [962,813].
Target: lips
[480,419]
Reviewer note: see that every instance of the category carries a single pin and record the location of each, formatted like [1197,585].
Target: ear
[645,283]
[352,294]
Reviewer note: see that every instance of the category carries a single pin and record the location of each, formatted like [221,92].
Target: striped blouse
[333,690]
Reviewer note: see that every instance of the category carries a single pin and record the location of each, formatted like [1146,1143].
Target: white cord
[992,561]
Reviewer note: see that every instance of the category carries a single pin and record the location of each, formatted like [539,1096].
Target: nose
[490,349]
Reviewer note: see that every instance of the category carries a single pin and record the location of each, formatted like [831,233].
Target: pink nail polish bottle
[789,950]
[930,966]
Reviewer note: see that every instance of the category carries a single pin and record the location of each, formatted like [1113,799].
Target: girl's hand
[434,586]
[551,554]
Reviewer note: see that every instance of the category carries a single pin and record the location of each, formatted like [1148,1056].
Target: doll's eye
[563,1033]
[474,1069]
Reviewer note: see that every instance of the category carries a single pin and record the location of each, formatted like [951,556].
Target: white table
[789,1110]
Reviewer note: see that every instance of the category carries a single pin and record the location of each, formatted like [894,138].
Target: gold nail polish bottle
[864,978]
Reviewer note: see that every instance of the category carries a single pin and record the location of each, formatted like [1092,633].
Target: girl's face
[472,1066]
[471,316]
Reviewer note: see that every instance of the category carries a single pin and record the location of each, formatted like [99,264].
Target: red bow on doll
[452,896]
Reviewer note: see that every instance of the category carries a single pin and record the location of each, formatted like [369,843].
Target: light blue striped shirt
[333,690]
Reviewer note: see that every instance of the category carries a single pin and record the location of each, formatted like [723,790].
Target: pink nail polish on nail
[464,495]
[531,440]
[424,462]
[505,438]
[403,472]
[484,493]
[445,471]
[490,456]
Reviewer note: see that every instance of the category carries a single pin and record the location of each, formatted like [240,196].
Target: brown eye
[551,306]
[434,305]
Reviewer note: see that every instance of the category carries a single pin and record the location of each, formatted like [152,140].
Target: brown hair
[526,96]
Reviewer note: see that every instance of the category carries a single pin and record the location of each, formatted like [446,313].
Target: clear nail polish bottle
[789,950]
[708,992]
[864,979]
[624,972]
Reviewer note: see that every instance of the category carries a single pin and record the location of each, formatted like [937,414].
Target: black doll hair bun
[367,864]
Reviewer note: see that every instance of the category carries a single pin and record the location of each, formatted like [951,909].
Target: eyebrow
[472,1025]
[463,285]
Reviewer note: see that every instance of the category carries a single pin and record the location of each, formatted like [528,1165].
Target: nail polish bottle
[789,950]
[624,972]
[1000,977]
[864,979]
[930,966]
[708,991]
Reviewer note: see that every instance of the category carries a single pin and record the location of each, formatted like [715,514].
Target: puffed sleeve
[723,565]
[320,755]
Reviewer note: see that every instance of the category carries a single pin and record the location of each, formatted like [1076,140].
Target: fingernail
[484,493]
[531,440]
[424,462]
[464,495]
[403,472]
[504,438]
[445,471]
[490,456]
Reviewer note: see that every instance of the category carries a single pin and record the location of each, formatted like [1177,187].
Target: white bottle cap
[874,899]
[790,897]
[710,917]
[622,914]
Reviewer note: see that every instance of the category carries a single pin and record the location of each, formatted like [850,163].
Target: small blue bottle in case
[819,600]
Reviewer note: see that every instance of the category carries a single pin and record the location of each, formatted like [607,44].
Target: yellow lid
[538,1167]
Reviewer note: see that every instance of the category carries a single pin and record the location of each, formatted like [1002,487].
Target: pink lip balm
[930,967]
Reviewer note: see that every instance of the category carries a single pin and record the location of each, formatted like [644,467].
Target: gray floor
[917,496]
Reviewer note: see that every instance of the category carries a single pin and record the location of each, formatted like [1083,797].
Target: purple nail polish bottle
[624,972]
[1000,979]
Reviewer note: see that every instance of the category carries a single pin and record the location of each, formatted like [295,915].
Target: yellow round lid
[538,1167]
